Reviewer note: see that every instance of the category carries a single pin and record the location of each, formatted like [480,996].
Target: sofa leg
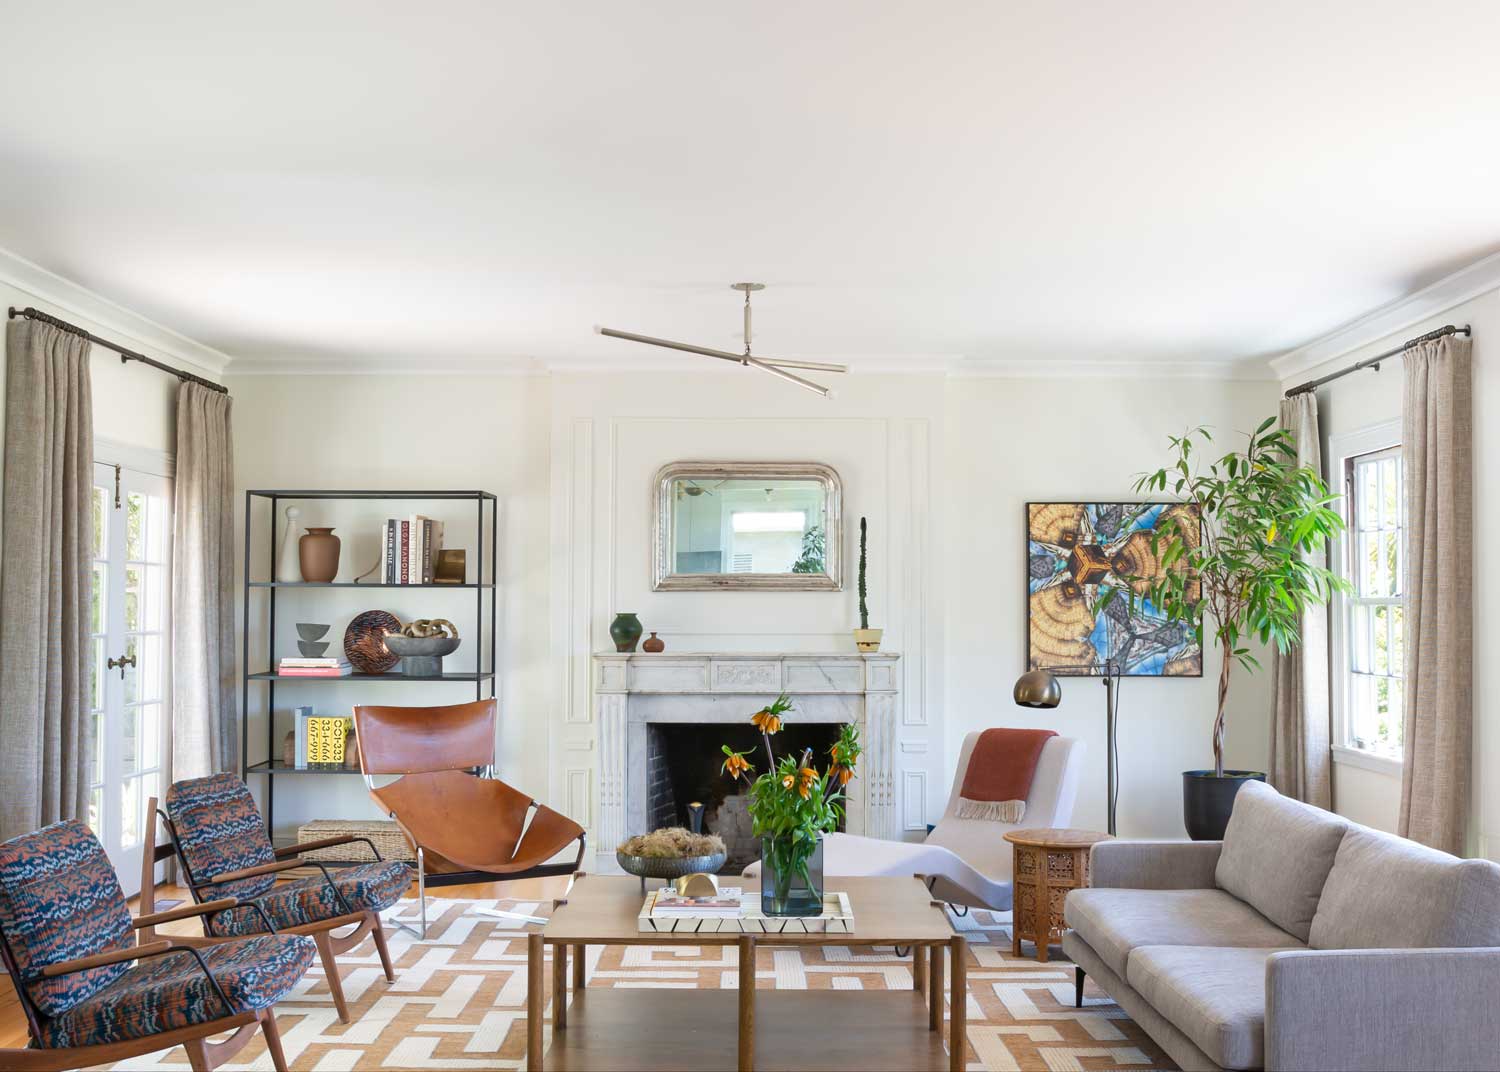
[1078,988]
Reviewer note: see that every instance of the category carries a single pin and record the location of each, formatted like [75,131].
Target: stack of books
[319,739]
[411,549]
[669,904]
[299,667]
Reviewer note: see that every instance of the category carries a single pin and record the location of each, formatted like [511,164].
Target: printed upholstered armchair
[221,839]
[93,995]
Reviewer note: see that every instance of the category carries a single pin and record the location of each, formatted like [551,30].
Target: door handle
[122,662]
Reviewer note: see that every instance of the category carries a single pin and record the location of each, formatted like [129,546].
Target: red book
[298,671]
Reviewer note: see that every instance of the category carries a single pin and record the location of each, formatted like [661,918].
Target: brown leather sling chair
[463,824]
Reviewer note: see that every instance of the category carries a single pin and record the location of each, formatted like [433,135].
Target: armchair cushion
[1215,996]
[59,900]
[1266,830]
[1386,892]
[170,991]
[370,887]
[220,829]
[1116,922]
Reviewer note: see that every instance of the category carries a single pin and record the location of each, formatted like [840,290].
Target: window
[1372,648]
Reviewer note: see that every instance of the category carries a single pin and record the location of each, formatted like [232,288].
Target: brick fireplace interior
[683,763]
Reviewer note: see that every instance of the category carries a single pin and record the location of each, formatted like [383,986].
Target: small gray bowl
[421,656]
[311,631]
[312,648]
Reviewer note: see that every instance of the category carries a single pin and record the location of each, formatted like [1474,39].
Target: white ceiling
[367,184]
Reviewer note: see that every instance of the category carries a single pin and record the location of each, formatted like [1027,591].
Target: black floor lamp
[1040,688]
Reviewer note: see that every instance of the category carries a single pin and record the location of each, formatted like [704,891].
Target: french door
[130,624]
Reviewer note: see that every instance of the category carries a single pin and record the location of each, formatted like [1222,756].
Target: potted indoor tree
[1246,569]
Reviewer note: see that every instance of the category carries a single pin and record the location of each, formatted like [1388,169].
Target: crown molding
[1250,370]
[51,293]
[1466,284]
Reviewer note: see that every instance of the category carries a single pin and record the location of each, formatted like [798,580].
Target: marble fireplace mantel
[634,690]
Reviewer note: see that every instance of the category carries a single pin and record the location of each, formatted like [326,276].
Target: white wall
[402,432]
[1012,441]
[1366,398]
[940,466]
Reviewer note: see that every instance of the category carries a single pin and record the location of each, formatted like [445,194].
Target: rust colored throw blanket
[998,780]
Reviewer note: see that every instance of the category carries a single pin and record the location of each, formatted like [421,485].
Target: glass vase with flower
[792,805]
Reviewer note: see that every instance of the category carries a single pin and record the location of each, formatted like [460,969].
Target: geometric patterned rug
[459,1000]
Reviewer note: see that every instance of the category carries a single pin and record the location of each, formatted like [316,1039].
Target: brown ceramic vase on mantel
[653,644]
[318,555]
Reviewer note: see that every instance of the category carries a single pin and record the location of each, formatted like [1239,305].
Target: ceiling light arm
[775,366]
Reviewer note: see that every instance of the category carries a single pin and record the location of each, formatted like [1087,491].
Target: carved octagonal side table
[1048,863]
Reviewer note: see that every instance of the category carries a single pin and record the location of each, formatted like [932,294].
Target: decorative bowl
[312,649]
[406,646]
[364,641]
[311,631]
[669,867]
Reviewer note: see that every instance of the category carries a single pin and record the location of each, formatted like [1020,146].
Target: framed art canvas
[1075,553]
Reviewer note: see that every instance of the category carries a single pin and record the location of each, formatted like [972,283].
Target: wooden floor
[13,1020]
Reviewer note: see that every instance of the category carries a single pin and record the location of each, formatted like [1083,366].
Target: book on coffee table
[837,917]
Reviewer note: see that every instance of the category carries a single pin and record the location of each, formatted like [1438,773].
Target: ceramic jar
[625,631]
[318,555]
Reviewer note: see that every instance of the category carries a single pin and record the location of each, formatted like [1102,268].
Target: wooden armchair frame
[202,1054]
[329,944]
[434,752]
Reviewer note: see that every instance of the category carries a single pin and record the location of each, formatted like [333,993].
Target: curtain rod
[125,354]
[1374,362]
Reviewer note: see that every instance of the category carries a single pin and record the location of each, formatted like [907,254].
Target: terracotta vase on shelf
[318,555]
[654,644]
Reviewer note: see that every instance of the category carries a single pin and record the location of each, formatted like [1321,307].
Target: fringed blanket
[998,780]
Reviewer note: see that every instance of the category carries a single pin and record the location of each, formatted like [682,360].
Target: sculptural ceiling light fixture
[774,365]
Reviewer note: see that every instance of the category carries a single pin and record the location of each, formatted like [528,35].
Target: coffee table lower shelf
[631,1028]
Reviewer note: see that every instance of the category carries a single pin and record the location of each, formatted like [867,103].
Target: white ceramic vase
[288,564]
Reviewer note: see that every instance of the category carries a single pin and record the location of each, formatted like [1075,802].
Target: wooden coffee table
[1048,863]
[630,1028]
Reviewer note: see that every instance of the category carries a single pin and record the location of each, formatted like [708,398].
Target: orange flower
[766,722]
[842,773]
[809,779]
[787,781]
[736,765]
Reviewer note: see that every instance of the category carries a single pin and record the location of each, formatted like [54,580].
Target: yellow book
[325,738]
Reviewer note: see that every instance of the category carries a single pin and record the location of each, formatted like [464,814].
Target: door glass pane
[1382,642]
[96,764]
[135,526]
[96,675]
[146,720]
[101,521]
[130,813]
[96,599]
[131,674]
[133,616]
[96,798]
[144,679]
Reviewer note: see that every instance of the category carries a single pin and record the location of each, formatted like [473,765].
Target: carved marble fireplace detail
[635,690]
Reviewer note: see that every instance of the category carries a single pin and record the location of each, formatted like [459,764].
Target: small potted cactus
[865,638]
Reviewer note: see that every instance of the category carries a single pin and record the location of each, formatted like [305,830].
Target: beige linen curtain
[205,723]
[45,729]
[1300,756]
[1436,448]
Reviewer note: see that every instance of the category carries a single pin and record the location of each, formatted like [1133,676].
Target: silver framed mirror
[747,525]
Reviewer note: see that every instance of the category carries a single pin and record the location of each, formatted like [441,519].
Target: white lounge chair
[966,861]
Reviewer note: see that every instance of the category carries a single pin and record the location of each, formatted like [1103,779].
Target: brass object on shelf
[451,567]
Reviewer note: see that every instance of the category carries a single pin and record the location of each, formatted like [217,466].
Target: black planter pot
[1207,800]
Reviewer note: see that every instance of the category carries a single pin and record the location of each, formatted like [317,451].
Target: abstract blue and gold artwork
[1076,552]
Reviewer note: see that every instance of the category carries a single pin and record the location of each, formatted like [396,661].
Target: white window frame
[1341,448]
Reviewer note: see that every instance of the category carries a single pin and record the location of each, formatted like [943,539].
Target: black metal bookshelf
[483,590]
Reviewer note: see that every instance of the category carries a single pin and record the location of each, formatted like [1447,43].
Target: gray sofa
[1301,941]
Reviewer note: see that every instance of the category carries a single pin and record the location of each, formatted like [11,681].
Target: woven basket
[385,835]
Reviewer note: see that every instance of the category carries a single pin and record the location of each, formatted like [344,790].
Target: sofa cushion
[1214,996]
[1114,922]
[1277,855]
[1386,892]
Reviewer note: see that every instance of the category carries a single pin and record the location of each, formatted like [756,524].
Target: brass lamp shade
[1038,688]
